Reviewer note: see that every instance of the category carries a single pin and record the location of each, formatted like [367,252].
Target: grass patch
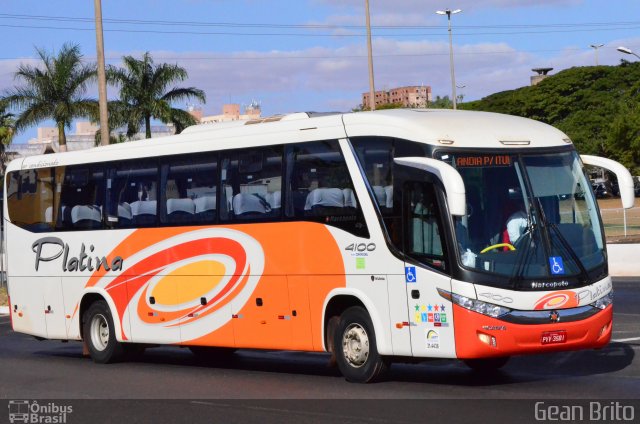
[3,297]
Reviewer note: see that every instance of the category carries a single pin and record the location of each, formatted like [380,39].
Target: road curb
[4,310]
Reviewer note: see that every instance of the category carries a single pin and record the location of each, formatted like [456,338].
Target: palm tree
[55,91]
[6,132]
[143,93]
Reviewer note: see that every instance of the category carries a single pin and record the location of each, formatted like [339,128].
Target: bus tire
[355,347]
[99,334]
[486,365]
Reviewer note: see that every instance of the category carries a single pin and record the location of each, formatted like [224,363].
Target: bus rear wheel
[99,334]
[355,347]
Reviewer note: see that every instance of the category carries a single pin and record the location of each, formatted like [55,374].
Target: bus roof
[456,129]
[459,129]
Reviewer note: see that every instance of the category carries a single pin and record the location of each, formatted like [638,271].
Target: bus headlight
[604,301]
[484,308]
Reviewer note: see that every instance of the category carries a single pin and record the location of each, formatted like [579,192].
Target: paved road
[54,370]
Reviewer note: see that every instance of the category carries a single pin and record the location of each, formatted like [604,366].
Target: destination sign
[483,160]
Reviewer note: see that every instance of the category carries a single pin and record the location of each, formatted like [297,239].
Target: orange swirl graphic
[556,300]
[156,264]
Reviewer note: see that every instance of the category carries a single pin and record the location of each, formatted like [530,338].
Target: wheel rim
[355,345]
[99,332]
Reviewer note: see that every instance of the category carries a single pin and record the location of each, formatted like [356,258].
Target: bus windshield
[529,216]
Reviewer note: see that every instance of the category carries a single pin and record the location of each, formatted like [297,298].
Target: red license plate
[553,337]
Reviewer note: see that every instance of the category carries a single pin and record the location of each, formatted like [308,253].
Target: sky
[311,55]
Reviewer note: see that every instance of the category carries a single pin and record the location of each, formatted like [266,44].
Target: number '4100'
[361,247]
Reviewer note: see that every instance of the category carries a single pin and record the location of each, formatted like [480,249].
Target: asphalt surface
[169,384]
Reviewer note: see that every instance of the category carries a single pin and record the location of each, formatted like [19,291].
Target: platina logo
[82,262]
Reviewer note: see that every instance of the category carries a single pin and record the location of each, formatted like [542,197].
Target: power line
[275,34]
[475,30]
[632,24]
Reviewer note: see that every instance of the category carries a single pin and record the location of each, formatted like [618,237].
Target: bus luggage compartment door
[27,303]
[54,311]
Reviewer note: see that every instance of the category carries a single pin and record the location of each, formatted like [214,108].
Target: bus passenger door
[430,315]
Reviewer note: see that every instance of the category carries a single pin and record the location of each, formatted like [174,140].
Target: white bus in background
[376,236]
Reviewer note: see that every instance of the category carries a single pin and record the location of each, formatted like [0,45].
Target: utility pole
[372,90]
[102,79]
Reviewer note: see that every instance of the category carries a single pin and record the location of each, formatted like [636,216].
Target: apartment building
[417,96]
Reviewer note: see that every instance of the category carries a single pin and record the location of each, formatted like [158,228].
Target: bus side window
[132,188]
[376,158]
[252,184]
[30,199]
[423,228]
[319,187]
[81,198]
[189,189]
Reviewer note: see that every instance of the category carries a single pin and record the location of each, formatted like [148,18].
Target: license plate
[553,337]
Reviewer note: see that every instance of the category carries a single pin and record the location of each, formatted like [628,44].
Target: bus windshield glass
[529,216]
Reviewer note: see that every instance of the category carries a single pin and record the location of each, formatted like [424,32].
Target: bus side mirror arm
[448,175]
[625,181]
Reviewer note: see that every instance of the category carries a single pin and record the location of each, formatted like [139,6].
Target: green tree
[55,91]
[624,138]
[598,107]
[6,132]
[144,94]
[441,103]
[383,106]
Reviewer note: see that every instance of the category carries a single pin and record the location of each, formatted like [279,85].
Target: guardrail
[621,223]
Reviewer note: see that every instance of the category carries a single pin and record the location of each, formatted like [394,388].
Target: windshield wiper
[563,241]
[570,251]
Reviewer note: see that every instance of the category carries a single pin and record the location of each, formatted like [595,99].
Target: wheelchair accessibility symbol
[557,267]
[410,274]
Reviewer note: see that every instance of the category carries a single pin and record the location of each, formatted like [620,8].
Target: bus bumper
[480,336]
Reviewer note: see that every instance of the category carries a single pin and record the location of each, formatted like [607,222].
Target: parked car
[602,191]
[615,189]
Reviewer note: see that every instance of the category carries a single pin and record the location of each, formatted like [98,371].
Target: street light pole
[596,47]
[372,90]
[460,86]
[627,50]
[450,12]
[102,80]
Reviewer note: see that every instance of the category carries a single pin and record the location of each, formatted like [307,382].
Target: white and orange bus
[376,236]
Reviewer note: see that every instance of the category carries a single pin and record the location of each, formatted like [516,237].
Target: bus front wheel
[99,334]
[355,347]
